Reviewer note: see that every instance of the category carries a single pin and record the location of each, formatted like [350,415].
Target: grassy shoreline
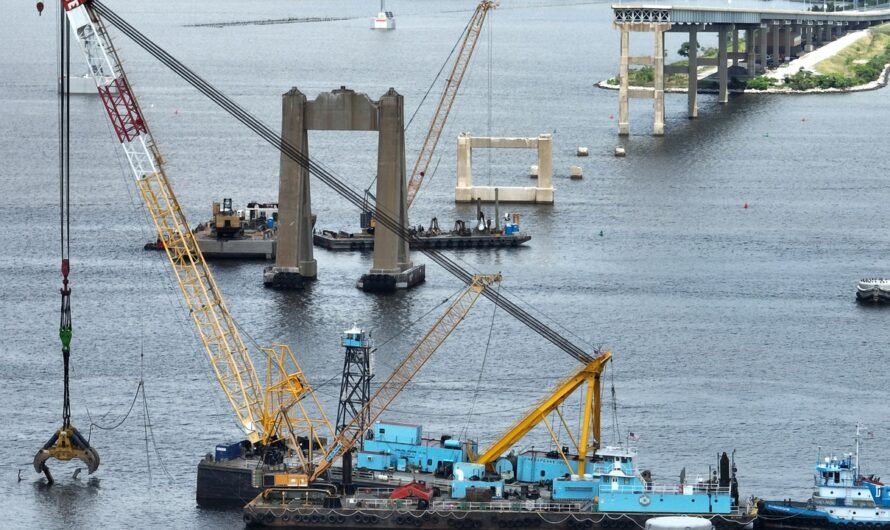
[856,67]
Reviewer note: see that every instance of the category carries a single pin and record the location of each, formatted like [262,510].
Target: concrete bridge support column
[693,73]
[776,30]
[808,46]
[722,69]
[658,95]
[623,89]
[750,55]
[294,261]
[392,268]
[735,46]
[761,35]
[656,61]
[790,31]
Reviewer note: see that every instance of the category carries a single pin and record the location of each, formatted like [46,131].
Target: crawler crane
[284,411]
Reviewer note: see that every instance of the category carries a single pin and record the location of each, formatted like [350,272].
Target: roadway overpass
[780,33]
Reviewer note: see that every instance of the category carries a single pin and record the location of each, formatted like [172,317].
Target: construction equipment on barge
[283,416]
[585,485]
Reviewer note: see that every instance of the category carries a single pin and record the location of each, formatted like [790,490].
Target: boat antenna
[856,463]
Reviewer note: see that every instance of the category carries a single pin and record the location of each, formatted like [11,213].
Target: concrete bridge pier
[761,35]
[735,46]
[775,31]
[790,31]
[294,261]
[750,57]
[692,88]
[656,61]
[808,38]
[722,69]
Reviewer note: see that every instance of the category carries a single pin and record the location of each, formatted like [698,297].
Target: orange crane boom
[447,99]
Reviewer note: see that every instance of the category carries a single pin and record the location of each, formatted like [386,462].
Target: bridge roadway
[769,33]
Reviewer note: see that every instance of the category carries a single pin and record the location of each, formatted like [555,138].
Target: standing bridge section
[769,34]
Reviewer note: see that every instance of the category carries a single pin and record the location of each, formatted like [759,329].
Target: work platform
[345,241]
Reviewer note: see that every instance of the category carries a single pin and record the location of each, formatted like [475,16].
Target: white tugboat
[842,498]
[384,19]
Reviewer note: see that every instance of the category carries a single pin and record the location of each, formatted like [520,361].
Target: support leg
[722,70]
[623,118]
[693,73]
[658,66]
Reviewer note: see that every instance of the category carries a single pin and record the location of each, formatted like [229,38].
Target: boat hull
[792,515]
[460,518]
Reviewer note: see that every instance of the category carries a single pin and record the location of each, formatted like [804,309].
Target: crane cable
[331,180]
[64,207]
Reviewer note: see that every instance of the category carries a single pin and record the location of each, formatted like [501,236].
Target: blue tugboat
[842,498]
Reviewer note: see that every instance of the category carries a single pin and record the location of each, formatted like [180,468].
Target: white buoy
[678,523]
[619,151]
[575,172]
[582,151]
[533,171]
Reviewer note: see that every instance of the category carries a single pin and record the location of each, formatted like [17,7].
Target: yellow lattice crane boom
[263,413]
[474,28]
[352,433]
[589,436]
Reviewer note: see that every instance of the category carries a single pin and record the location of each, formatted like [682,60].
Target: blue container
[229,451]
[270,223]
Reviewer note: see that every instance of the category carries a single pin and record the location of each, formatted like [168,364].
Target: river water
[731,327]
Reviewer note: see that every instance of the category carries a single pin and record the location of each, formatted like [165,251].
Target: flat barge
[340,241]
[314,508]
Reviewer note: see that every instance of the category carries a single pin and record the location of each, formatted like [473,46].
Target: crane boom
[447,99]
[590,422]
[352,433]
[228,354]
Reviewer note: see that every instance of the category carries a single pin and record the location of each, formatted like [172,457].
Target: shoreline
[881,82]
[805,62]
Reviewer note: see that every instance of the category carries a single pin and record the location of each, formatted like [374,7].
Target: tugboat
[842,498]
[873,290]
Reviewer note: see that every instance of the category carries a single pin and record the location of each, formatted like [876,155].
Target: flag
[633,437]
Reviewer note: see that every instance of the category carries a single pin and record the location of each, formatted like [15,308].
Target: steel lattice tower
[355,387]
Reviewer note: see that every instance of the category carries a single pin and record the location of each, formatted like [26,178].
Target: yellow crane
[285,408]
[474,28]
[352,433]
[589,437]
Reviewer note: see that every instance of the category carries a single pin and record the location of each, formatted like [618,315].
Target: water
[731,327]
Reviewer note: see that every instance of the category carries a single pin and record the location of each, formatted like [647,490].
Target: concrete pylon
[390,251]
[623,90]
[692,89]
[294,260]
[762,32]
[392,268]
[750,57]
[722,68]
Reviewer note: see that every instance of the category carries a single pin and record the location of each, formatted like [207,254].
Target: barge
[461,236]
[609,497]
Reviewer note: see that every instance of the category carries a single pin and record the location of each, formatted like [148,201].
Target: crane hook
[39,8]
